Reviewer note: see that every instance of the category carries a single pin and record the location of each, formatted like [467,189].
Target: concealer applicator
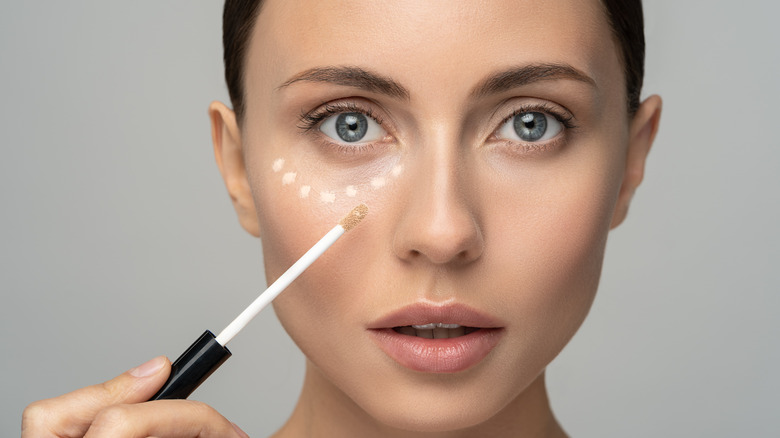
[208,352]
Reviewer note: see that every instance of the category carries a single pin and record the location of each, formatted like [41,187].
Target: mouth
[437,338]
[436,330]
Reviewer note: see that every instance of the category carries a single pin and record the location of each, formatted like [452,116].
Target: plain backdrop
[118,242]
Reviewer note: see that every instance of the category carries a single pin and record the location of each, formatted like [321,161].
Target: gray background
[118,242]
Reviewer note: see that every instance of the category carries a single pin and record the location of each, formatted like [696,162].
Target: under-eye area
[328,195]
[435,330]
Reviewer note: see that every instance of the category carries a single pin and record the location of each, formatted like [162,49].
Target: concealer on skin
[329,195]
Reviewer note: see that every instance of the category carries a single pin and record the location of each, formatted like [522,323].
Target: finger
[71,414]
[162,418]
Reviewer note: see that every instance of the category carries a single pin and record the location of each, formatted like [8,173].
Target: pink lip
[423,313]
[449,355]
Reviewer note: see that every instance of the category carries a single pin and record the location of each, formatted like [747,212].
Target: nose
[439,225]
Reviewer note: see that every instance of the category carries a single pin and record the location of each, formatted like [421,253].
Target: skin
[515,230]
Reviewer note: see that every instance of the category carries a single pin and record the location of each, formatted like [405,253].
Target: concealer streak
[304,192]
[278,164]
[351,191]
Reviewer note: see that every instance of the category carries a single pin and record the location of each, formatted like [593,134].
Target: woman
[495,144]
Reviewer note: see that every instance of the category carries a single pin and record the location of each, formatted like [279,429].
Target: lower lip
[449,355]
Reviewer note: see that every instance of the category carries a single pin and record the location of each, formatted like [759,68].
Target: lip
[450,355]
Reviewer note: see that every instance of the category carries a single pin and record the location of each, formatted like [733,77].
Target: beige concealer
[306,189]
[289,178]
[278,164]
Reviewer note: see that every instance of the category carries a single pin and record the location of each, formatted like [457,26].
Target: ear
[226,136]
[642,132]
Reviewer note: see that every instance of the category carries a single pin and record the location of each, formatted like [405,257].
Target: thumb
[75,410]
[140,383]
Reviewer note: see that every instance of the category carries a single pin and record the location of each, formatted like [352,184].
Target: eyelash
[565,119]
[311,120]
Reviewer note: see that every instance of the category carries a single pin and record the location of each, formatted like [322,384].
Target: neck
[324,411]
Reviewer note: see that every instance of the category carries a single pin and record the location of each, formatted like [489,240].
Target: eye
[530,126]
[352,127]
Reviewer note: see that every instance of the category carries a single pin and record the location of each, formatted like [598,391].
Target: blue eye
[530,127]
[352,127]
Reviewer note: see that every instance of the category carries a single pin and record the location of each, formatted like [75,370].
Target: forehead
[427,43]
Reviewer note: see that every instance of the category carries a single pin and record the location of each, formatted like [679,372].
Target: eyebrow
[351,77]
[357,77]
[526,74]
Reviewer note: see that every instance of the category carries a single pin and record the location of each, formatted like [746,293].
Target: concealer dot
[378,182]
[278,164]
[288,178]
[328,195]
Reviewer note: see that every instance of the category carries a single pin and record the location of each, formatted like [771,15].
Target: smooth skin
[514,230]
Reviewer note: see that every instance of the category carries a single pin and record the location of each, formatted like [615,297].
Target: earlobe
[643,129]
[226,136]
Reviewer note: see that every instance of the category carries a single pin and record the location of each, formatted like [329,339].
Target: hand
[119,408]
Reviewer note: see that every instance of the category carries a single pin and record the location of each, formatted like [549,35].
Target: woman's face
[488,140]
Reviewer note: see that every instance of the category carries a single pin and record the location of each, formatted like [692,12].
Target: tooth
[459,331]
[406,330]
[433,325]
[427,334]
[441,333]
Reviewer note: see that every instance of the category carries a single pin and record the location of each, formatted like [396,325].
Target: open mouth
[436,338]
[435,330]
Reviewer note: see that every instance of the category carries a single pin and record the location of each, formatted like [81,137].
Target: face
[490,142]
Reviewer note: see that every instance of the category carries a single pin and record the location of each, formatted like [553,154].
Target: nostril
[441,247]
[439,226]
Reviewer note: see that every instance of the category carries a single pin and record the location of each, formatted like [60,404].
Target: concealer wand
[208,352]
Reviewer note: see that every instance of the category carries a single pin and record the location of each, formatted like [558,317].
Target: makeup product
[329,195]
[208,352]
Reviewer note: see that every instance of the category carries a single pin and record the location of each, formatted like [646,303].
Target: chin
[441,403]
[444,417]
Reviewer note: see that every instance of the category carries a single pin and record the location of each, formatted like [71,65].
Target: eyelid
[524,148]
[563,116]
[313,119]
[311,122]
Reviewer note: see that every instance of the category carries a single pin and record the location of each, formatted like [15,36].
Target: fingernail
[239,431]
[148,368]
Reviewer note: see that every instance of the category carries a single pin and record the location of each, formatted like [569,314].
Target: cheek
[549,245]
[300,196]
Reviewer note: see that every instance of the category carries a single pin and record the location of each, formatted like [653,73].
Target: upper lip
[426,312]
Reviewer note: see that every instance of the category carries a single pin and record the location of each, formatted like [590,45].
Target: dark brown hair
[625,17]
[238,20]
[628,27]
